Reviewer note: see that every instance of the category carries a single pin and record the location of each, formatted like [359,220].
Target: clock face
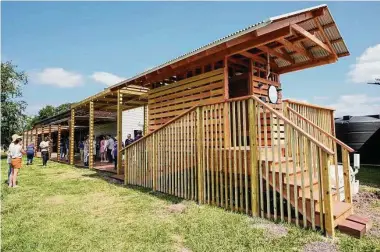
[272,94]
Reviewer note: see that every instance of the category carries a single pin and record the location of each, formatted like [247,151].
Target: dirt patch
[367,204]
[178,244]
[177,208]
[272,230]
[320,246]
[55,200]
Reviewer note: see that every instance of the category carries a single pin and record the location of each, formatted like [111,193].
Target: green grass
[369,175]
[61,208]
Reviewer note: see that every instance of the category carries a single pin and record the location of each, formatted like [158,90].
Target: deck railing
[235,155]
[319,122]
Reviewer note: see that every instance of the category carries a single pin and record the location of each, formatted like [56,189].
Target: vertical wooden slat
[200,141]
[212,169]
[327,200]
[220,155]
[311,178]
[280,168]
[236,199]
[252,122]
[91,137]
[320,187]
[295,159]
[260,161]
[266,161]
[240,165]
[346,176]
[119,131]
[274,191]
[36,141]
[245,128]
[216,157]
[154,152]
[126,170]
[302,165]
[208,154]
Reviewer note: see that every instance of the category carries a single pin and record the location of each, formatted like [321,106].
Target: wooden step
[362,220]
[352,228]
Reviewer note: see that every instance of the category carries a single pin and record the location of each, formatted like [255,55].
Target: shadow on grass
[106,176]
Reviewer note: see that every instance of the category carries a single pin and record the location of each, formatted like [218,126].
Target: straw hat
[15,137]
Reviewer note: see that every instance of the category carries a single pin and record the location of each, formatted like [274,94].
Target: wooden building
[220,133]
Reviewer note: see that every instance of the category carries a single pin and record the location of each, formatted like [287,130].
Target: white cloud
[367,67]
[106,78]
[359,104]
[57,77]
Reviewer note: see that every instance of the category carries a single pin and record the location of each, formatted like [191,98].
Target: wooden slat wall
[169,101]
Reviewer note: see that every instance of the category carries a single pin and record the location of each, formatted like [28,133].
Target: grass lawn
[60,208]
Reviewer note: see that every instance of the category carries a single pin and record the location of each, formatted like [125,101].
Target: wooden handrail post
[346,176]
[125,166]
[59,143]
[154,162]
[200,153]
[72,132]
[253,152]
[119,131]
[91,137]
[327,197]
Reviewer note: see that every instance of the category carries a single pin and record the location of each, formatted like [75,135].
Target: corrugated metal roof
[331,32]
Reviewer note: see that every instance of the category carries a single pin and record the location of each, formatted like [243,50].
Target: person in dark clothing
[129,140]
[138,136]
[29,154]
[110,143]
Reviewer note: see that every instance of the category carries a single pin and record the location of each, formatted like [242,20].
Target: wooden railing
[234,155]
[319,122]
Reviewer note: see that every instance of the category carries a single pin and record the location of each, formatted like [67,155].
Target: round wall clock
[272,94]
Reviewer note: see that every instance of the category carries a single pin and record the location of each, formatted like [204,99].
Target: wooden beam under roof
[324,36]
[298,49]
[311,37]
[277,54]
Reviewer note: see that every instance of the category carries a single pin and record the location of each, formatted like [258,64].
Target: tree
[46,112]
[62,108]
[12,107]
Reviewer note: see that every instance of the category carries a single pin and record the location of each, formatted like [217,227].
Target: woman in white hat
[16,151]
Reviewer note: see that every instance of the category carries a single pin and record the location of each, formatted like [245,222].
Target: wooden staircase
[310,195]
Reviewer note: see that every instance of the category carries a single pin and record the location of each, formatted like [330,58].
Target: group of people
[15,153]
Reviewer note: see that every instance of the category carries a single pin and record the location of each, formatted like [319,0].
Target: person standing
[9,157]
[110,145]
[102,149]
[44,145]
[86,151]
[62,146]
[16,153]
[129,140]
[29,154]
[114,153]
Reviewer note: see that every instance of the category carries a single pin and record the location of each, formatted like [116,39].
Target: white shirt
[9,157]
[44,145]
[15,151]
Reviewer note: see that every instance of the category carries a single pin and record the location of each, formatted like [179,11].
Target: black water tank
[362,133]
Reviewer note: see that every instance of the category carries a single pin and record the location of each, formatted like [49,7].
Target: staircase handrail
[257,99]
[333,138]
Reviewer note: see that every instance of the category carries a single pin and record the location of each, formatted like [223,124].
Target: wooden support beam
[91,136]
[323,34]
[72,132]
[327,195]
[200,144]
[50,142]
[59,143]
[277,54]
[119,131]
[253,158]
[311,37]
[225,111]
[35,141]
[296,48]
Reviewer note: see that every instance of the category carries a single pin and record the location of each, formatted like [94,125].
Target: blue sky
[72,50]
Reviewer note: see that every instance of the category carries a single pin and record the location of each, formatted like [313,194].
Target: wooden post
[91,137]
[346,176]
[154,151]
[35,142]
[125,167]
[42,133]
[59,143]
[50,142]
[253,151]
[327,197]
[119,131]
[72,132]
[200,141]
[226,118]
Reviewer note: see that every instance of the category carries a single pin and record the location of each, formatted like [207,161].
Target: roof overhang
[312,38]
